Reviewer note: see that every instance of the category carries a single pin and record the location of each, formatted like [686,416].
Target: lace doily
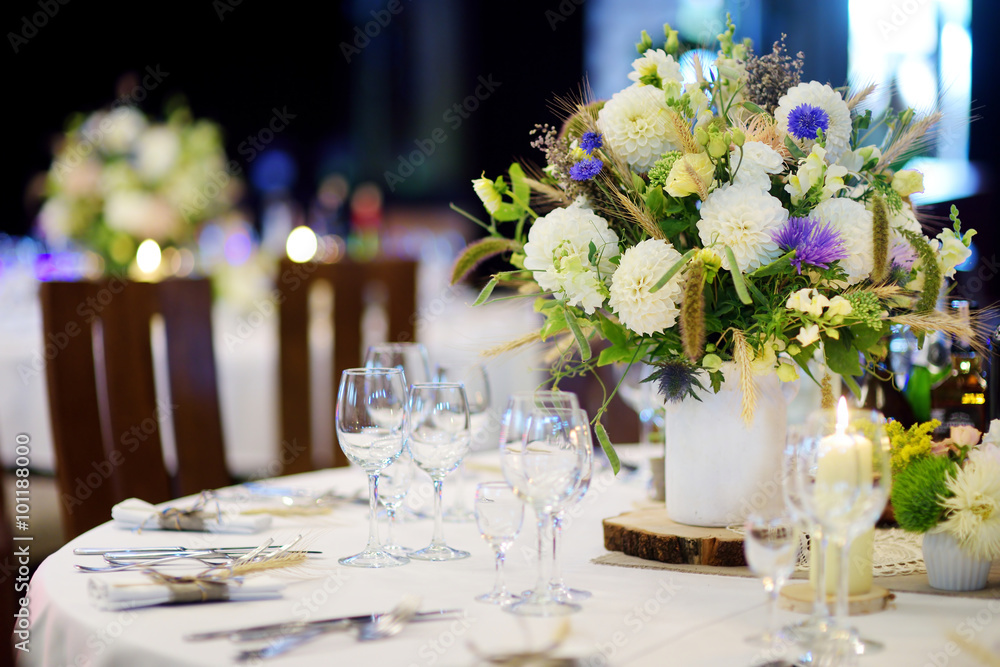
[896,552]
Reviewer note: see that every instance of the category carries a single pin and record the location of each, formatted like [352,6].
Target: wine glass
[438,439]
[771,545]
[499,516]
[394,483]
[411,358]
[544,469]
[477,389]
[556,584]
[371,427]
[843,478]
[643,397]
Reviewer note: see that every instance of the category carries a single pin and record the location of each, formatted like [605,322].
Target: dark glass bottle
[961,398]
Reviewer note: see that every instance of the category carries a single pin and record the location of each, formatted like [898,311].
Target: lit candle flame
[842,416]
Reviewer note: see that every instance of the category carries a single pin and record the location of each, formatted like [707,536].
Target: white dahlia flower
[655,64]
[636,125]
[811,106]
[742,217]
[758,160]
[854,222]
[558,250]
[640,267]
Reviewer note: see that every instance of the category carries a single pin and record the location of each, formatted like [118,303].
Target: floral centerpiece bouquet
[952,486]
[737,214]
[118,178]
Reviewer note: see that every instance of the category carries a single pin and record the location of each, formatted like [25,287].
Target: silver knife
[272,629]
[121,551]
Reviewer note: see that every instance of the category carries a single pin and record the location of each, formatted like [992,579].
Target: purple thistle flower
[584,170]
[815,243]
[591,141]
[901,255]
[805,119]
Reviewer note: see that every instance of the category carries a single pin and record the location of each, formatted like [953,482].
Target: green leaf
[486,291]
[613,331]
[555,322]
[678,265]
[780,265]
[519,184]
[865,337]
[614,355]
[479,251]
[841,356]
[508,212]
[793,148]
[753,108]
[638,183]
[592,253]
[672,227]
[609,449]
[655,200]
[757,294]
[738,282]
[581,341]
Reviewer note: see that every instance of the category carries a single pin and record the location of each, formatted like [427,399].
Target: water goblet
[477,390]
[771,545]
[843,478]
[543,470]
[556,584]
[394,483]
[371,427]
[411,358]
[438,439]
[499,516]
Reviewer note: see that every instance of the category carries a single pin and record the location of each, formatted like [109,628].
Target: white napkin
[130,591]
[136,513]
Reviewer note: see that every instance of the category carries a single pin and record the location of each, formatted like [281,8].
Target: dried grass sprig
[692,311]
[976,330]
[634,208]
[826,392]
[932,272]
[859,96]
[880,240]
[914,138]
[743,356]
[682,130]
[529,338]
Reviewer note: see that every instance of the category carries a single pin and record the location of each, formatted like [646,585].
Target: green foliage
[917,493]
[475,253]
[932,272]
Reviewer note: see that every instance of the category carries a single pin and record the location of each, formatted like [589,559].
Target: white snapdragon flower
[839,306]
[953,250]
[813,169]
[907,182]
[808,300]
[558,251]
[808,335]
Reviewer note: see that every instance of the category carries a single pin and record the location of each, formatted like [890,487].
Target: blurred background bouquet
[119,178]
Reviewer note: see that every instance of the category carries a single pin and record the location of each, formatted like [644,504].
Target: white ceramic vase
[718,469]
[949,568]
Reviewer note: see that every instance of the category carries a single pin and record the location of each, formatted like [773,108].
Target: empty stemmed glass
[438,439]
[556,584]
[394,483]
[499,516]
[544,469]
[843,476]
[411,358]
[771,545]
[477,390]
[371,426]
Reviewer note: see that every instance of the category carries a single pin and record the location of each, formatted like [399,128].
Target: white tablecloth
[635,617]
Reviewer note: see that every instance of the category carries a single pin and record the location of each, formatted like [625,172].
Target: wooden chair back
[102,394]
[350,280]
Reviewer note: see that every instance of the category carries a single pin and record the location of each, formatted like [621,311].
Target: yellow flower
[839,306]
[691,174]
[908,181]
[488,194]
[787,372]
[799,300]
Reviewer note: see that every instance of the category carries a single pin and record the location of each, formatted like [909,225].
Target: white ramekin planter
[949,568]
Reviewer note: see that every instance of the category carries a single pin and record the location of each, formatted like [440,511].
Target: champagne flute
[556,584]
[411,358]
[843,478]
[394,484]
[438,439]
[544,469]
[771,545]
[371,427]
[499,516]
[477,389]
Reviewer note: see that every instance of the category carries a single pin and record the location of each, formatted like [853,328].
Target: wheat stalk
[511,345]
[743,356]
[912,138]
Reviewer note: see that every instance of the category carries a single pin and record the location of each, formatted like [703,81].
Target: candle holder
[843,476]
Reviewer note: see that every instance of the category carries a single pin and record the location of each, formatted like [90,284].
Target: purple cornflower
[584,170]
[591,141]
[815,243]
[805,119]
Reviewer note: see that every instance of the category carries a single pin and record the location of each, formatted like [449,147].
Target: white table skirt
[635,617]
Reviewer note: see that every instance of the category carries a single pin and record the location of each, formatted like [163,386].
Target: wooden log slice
[650,534]
[799,598]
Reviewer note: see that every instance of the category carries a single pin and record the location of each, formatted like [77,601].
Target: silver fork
[386,625]
[118,567]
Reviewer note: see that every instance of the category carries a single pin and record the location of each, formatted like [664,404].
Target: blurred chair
[102,394]
[394,279]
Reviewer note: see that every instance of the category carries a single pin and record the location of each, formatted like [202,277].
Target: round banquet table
[635,617]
